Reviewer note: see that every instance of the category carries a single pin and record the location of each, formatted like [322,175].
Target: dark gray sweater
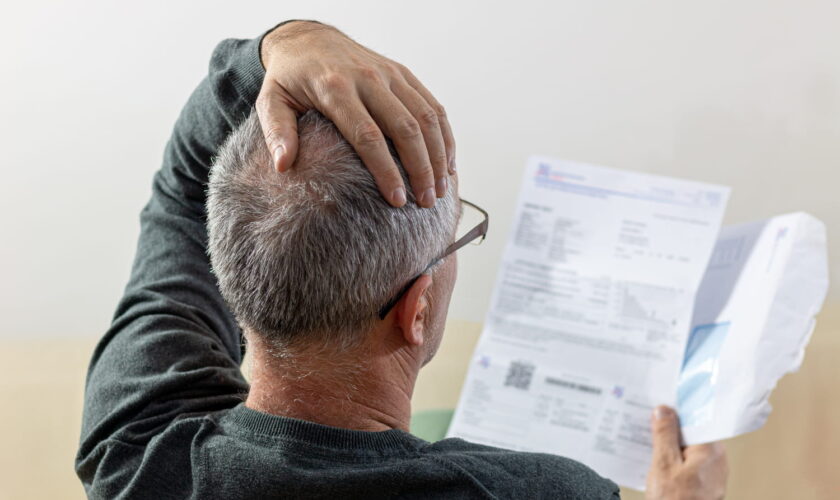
[163,412]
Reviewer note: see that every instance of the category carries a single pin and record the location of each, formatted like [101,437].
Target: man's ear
[412,310]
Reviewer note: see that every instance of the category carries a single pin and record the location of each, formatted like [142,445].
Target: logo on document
[544,170]
[484,361]
[618,392]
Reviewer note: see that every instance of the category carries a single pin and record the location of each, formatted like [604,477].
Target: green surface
[431,425]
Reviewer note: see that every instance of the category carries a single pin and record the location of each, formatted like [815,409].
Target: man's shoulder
[538,473]
[534,461]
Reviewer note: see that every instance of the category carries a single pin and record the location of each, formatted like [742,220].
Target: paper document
[753,317]
[593,312]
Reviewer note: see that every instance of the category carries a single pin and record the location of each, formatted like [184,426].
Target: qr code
[519,375]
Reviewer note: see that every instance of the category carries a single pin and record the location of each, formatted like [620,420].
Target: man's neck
[366,389]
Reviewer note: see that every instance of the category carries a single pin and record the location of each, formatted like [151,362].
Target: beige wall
[742,93]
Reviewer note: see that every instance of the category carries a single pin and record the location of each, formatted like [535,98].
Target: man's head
[312,254]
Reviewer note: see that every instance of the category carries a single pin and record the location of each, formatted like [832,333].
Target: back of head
[311,254]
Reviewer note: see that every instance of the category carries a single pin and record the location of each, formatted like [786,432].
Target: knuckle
[439,110]
[404,71]
[440,161]
[334,83]
[407,128]
[273,135]
[369,74]
[437,155]
[661,463]
[367,135]
[428,117]
[422,174]
[393,70]
[690,481]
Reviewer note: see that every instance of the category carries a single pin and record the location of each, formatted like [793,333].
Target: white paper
[590,314]
[754,315]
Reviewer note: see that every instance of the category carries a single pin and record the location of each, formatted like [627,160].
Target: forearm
[173,346]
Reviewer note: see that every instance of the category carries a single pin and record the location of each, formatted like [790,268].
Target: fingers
[432,134]
[359,128]
[665,430]
[368,99]
[440,112]
[705,452]
[279,124]
[401,126]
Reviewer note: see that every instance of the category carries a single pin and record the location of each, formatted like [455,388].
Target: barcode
[573,385]
[519,375]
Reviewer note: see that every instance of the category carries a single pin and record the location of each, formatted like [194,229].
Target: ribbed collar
[321,435]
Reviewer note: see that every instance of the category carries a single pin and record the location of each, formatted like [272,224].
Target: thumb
[665,430]
[279,125]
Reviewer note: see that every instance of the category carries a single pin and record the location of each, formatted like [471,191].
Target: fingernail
[441,186]
[398,196]
[661,412]
[279,151]
[452,164]
[428,197]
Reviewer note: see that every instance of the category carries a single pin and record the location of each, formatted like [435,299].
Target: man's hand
[694,472]
[311,65]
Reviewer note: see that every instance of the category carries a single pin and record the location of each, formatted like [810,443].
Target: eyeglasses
[476,234]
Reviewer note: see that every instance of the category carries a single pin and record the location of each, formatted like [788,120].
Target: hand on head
[314,66]
[696,472]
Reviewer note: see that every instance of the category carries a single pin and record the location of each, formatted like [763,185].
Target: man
[341,297]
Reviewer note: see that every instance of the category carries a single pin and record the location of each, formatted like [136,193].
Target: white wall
[742,93]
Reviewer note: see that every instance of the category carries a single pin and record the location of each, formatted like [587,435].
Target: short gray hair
[315,252]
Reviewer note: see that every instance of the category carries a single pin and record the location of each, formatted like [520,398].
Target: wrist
[285,33]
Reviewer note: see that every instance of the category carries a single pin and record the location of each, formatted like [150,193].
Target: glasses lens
[470,218]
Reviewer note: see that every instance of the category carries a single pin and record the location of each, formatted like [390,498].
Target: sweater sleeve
[173,348]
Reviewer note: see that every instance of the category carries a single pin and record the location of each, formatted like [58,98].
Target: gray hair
[313,253]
